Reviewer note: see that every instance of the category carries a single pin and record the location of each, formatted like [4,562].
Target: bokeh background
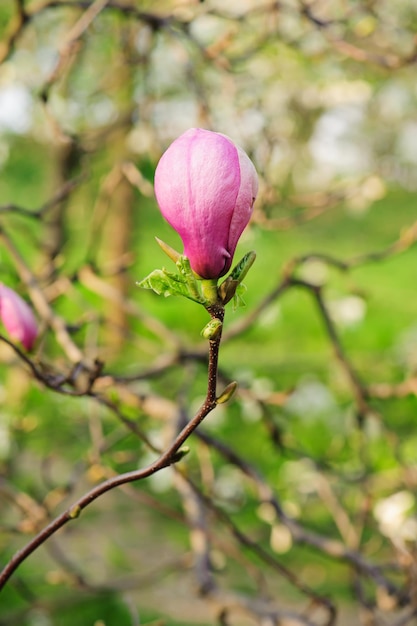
[297,502]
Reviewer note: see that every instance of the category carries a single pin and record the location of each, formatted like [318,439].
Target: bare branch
[172,455]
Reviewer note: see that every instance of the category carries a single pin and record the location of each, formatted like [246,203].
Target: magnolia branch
[333,548]
[174,453]
[228,601]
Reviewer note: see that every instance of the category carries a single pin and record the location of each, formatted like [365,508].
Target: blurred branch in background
[296,503]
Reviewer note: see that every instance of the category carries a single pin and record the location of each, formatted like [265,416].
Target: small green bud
[212,329]
[181,453]
[227,393]
[74,511]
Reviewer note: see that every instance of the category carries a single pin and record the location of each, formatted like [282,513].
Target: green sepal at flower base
[203,291]
[232,286]
[184,283]
[167,284]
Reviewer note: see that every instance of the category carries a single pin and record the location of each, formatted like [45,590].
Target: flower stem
[209,291]
[216,312]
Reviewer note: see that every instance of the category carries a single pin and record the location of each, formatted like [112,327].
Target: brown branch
[65,384]
[387,60]
[256,606]
[42,305]
[56,199]
[152,19]
[98,285]
[333,548]
[405,241]
[15,29]
[197,505]
[358,387]
[199,536]
[314,205]
[246,322]
[172,455]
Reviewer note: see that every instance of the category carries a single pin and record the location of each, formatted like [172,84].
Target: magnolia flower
[205,187]
[17,317]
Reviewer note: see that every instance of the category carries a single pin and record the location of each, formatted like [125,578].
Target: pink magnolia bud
[205,187]
[17,317]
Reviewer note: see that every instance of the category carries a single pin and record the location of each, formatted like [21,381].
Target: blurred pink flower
[205,187]
[17,317]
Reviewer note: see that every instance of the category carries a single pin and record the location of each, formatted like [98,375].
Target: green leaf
[230,287]
[167,284]
[190,280]
[242,268]
[238,301]
[161,283]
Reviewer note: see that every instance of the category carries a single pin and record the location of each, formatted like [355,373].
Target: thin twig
[42,305]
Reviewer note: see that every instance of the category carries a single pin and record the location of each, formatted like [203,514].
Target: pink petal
[245,199]
[205,187]
[17,317]
[196,184]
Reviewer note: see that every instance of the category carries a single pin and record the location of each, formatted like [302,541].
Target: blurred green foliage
[326,109]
